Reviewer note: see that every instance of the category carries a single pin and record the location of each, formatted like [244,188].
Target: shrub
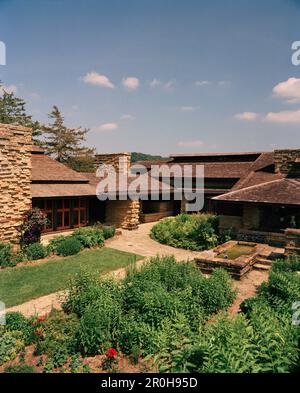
[6,255]
[89,237]
[36,251]
[58,341]
[54,243]
[99,325]
[11,344]
[20,369]
[108,231]
[33,223]
[68,246]
[15,321]
[189,231]
[20,256]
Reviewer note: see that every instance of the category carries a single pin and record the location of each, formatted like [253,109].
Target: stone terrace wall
[284,160]
[292,242]
[15,178]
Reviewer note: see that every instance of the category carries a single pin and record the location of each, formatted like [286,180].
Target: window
[80,212]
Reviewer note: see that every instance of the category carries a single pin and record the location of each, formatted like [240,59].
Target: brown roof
[282,191]
[213,170]
[45,169]
[245,153]
[62,190]
[146,181]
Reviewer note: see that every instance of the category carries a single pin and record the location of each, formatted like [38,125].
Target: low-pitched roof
[281,191]
[45,169]
[46,190]
[212,170]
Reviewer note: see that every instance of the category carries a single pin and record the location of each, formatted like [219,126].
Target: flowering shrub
[32,226]
[111,360]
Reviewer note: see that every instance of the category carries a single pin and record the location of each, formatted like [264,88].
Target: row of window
[63,213]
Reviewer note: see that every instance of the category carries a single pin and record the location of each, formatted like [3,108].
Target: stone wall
[228,222]
[285,159]
[292,242]
[120,161]
[123,214]
[15,179]
[251,216]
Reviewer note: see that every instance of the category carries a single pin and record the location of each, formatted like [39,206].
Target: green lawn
[18,285]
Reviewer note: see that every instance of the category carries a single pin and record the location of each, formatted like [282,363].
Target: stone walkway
[139,242]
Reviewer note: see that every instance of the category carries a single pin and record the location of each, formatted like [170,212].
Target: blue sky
[159,76]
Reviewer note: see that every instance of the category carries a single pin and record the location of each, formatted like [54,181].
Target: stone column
[15,179]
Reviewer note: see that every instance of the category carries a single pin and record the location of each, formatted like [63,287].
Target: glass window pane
[82,216]
[76,202]
[75,218]
[49,221]
[82,202]
[66,203]
[66,219]
[59,219]
[59,203]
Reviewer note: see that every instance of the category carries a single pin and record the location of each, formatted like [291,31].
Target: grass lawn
[18,285]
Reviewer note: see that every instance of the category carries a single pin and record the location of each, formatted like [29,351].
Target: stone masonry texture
[15,179]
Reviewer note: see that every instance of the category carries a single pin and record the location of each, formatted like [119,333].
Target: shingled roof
[282,191]
[212,170]
[45,169]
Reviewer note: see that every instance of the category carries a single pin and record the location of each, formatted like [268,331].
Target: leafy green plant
[68,246]
[20,369]
[6,255]
[36,251]
[11,343]
[16,321]
[89,237]
[189,231]
[108,231]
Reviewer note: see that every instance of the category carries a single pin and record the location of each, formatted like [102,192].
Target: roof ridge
[250,187]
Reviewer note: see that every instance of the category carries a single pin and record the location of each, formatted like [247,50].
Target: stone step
[259,266]
[263,261]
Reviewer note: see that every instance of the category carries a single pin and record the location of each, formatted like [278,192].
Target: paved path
[138,241]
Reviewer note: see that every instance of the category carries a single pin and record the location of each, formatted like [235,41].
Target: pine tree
[12,111]
[65,144]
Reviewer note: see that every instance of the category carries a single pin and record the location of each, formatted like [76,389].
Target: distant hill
[145,157]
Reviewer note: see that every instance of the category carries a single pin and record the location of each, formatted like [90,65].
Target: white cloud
[131,83]
[106,127]
[8,89]
[288,90]
[154,83]
[96,79]
[188,108]
[249,116]
[201,83]
[196,143]
[169,85]
[283,117]
[127,116]
[224,83]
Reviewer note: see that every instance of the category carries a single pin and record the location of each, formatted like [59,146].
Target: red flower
[42,318]
[111,353]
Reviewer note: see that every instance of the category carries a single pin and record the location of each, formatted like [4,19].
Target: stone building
[255,193]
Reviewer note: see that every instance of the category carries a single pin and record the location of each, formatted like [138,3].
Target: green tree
[65,144]
[12,111]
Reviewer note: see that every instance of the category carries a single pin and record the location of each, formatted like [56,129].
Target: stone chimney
[15,179]
[120,161]
[285,160]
